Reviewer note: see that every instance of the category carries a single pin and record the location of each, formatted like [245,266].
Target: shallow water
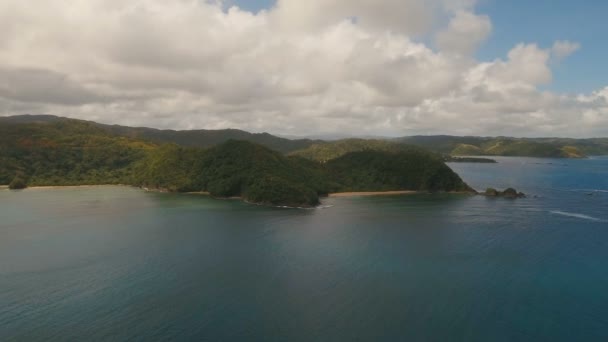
[117,263]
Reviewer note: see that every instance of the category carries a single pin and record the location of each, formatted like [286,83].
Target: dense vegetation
[74,152]
[192,138]
[235,168]
[523,147]
[384,171]
[260,175]
[66,153]
[445,145]
[452,159]
[324,152]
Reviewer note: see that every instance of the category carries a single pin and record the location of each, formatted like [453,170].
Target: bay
[116,263]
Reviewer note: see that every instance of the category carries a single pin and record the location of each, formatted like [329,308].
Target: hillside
[327,151]
[74,152]
[319,150]
[66,153]
[232,169]
[191,138]
[519,147]
[386,171]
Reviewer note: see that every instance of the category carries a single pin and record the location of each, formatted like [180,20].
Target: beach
[373,193]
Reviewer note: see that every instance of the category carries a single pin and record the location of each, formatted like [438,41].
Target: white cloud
[563,48]
[304,67]
[464,33]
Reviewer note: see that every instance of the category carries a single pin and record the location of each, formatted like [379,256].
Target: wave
[324,206]
[590,190]
[576,215]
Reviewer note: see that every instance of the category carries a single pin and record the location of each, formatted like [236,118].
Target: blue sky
[501,68]
[542,22]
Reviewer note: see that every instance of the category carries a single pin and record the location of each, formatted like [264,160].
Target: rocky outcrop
[508,193]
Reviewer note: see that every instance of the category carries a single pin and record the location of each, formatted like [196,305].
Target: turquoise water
[121,264]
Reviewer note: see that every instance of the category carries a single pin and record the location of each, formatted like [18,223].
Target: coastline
[373,193]
[48,187]
[205,193]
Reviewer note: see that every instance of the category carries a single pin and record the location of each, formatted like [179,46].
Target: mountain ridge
[448,145]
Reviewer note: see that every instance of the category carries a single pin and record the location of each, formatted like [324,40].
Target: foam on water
[576,215]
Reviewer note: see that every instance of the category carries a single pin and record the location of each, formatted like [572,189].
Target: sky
[316,67]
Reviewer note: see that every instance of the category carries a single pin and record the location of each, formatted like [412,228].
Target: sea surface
[118,264]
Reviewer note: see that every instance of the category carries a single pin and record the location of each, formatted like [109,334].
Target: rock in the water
[491,192]
[508,193]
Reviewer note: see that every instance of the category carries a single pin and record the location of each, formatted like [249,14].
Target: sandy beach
[70,186]
[374,193]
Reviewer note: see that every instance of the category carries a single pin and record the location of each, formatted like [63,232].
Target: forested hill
[505,146]
[318,149]
[326,151]
[191,138]
[49,151]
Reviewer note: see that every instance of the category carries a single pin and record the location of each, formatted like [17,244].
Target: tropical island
[72,152]
[259,168]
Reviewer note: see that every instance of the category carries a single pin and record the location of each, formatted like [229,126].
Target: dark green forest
[322,150]
[512,147]
[74,152]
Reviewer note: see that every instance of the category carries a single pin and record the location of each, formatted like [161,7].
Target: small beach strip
[373,193]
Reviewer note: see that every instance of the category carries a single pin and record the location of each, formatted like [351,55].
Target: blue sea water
[119,264]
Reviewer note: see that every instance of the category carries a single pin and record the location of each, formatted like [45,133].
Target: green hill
[386,171]
[74,152]
[467,150]
[318,149]
[327,151]
[515,147]
[232,169]
[260,175]
[66,153]
[190,138]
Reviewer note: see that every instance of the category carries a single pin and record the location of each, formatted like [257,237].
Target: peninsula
[63,152]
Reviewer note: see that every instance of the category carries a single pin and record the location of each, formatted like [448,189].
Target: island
[73,152]
[452,159]
[508,193]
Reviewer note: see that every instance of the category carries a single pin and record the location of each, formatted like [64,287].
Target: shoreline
[49,187]
[394,193]
[205,193]
[373,193]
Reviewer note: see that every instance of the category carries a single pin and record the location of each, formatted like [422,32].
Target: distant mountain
[324,150]
[192,138]
[504,146]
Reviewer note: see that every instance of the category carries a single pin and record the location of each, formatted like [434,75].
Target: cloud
[302,67]
[44,86]
[464,33]
[563,48]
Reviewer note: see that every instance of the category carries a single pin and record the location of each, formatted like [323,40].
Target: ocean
[118,264]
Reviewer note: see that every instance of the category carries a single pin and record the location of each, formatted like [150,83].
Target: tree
[17,183]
